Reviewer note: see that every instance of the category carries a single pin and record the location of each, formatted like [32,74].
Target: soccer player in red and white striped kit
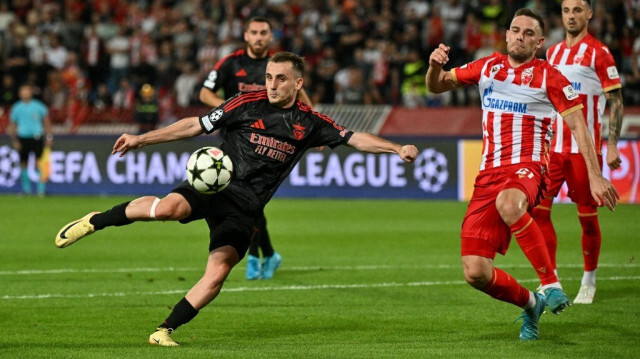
[588,64]
[520,96]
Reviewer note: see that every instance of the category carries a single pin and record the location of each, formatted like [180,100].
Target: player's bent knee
[476,277]
[477,270]
[170,210]
[505,206]
[509,208]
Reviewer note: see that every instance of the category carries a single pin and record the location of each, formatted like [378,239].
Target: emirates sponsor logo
[242,87]
[272,148]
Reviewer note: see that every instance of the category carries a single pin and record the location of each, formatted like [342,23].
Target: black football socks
[263,239]
[116,216]
[254,246]
[182,313]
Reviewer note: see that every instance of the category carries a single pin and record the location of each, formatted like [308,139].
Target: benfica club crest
[527,76]
[578,59]
[298,131]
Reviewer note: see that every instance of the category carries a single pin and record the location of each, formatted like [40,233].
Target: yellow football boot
[75,230]
[162,337]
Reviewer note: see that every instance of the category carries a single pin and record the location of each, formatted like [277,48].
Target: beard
[519,56]
[575,31]
[259,52]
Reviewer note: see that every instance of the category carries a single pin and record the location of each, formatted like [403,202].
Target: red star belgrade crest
[298,131]
[527,76]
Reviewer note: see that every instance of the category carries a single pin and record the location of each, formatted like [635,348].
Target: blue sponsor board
[347,173]
[84,165]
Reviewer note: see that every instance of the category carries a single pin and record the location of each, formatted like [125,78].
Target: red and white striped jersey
[592,71]
[519,106]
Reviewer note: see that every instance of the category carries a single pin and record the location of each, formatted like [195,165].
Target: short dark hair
[258,19]
[588,2]
[532,14]
[296,61]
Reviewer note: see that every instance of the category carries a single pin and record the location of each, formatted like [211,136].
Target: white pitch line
[286,288]
[293,268]
[105,270]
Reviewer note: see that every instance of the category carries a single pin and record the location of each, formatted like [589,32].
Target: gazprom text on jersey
[505,105]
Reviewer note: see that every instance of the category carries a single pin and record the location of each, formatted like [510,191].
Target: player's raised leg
[512,204]
[73,231]
[148,208]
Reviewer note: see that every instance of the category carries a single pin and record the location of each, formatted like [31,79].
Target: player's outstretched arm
[601,189]
[185,128]
[367,142]
[439,81]
[616,109]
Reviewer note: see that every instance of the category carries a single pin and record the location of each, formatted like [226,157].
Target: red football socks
[533,246]
[591,236]
[504,287]
[542,216]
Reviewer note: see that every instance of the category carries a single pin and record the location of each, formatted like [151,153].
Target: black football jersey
[237,73]
[265,142]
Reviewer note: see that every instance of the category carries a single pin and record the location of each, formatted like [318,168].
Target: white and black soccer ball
[209,170]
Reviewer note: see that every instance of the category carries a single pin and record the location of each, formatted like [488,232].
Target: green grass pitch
[360,279]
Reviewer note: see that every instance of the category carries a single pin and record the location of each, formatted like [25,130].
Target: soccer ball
[209,170]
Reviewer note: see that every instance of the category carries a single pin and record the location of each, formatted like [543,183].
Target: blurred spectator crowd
[90,58]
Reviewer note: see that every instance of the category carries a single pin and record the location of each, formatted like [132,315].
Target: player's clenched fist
[409,153]
[439,56]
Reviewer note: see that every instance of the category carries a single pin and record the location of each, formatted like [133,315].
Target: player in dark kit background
[244,71]
[265,133]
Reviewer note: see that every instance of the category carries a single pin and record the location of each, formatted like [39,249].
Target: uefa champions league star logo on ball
[431,170]
[9,166]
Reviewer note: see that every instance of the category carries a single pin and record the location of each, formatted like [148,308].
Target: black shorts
[228,223]
[28,145]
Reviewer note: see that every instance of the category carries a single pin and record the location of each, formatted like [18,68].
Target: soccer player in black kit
[243,71]
[263,157]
